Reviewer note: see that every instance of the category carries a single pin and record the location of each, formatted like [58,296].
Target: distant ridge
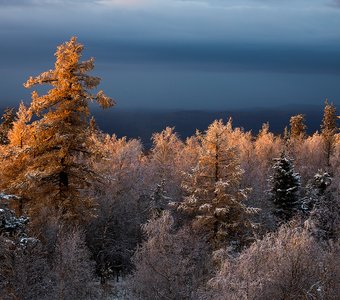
[142,123]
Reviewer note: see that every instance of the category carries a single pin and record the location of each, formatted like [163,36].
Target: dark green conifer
[284,188]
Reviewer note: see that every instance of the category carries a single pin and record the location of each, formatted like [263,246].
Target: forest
[224,214]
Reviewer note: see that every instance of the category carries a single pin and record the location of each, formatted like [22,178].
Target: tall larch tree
[297,127]
[266,147]
[57,176]
[166,146]
[214,199]
[16,157]
[165,163]
[19,133]
[295,142]
[328,130]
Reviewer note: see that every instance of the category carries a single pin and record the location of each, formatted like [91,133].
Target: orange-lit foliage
[328,131]
[297,127]
[19,135]
[55,146]
[165,161]
[6,125]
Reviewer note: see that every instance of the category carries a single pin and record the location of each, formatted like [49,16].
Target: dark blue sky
[181,54]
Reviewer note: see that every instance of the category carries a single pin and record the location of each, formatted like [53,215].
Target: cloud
[124,2]
[43,2]
[336,3]
[165,41]
[225,57]
[169,20]
[291,3]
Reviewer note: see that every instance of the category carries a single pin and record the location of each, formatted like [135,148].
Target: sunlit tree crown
[70,81]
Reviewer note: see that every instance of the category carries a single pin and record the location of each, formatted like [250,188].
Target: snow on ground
[113,290]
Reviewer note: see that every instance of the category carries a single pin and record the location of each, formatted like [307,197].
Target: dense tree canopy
[78,206]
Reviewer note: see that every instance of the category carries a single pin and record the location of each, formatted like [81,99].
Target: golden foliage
[48,156]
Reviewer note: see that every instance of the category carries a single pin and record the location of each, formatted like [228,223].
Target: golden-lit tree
[57,140]
[190,153]
[19,134]
[165,162]
[297,127]
[266,147]
[328,130]
[15,156]
[7,123]
[214,198]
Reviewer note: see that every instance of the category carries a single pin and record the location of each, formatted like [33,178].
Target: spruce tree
[315,190]
[322,208]
[159,199]
[284,188]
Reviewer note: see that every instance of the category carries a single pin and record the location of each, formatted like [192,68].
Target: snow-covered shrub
[169,264]
[288,264]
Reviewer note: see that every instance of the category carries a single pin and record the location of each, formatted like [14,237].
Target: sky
[181,54]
